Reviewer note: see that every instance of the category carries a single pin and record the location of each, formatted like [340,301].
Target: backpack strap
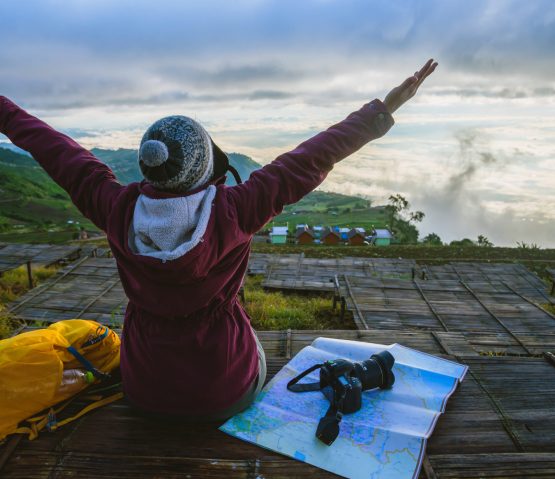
[87,364]
[89,408]
[48,420]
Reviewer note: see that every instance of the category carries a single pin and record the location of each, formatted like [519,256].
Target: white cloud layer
[264,75]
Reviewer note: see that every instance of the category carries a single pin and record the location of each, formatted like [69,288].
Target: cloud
[495,92]
[129,53]
[472,159]
[474,147]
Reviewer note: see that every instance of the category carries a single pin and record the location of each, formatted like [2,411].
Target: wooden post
[288,344]
[29,275]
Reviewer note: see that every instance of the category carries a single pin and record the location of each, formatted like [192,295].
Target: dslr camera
[342,383]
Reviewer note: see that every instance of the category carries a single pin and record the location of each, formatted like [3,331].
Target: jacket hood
[168,228]
[165,234]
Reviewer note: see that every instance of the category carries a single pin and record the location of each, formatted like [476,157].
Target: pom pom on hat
[153,153]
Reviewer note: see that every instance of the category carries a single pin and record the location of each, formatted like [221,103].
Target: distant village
[330,235]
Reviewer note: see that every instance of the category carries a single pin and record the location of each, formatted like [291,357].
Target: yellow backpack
[32,366]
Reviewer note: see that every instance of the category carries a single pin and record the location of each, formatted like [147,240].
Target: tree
[417,216]
[432,240]
[399,202]
[483,241]
[405,232]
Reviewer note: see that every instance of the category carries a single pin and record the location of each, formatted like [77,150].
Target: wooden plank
[524,389]
[494,466]
[89,289]
[17,254]
[46,285]
[514,274]
[439,305]
[317,274]
[110,465]
[259,262]
[470,425]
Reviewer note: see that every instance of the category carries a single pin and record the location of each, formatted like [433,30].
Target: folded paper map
[386,438]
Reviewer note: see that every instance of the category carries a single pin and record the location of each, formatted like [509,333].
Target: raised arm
[90,183]
[296,173]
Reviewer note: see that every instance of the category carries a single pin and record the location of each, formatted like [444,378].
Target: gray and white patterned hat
[176,154]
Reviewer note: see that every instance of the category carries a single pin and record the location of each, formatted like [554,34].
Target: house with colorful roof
[304,235]
[278,235]
[380,237]
[356,236]
[330,237]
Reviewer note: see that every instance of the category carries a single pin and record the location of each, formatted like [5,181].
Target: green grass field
[323,208]
[371,217]
[13,284]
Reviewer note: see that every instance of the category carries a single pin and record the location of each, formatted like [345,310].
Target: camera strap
[328,427]
[299,388]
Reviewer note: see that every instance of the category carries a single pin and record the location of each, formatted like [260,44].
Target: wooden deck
[259,262]
[14,255]
[513,274]
[500,423]
[315,274]
[494,308]
[89,288]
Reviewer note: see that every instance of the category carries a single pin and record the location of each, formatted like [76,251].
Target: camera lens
[376,371]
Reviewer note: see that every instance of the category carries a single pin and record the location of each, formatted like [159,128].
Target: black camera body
[342,383]
[336,380]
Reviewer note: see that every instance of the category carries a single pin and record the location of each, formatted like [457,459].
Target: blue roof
[382,234]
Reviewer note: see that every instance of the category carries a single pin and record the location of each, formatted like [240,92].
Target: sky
[474,149]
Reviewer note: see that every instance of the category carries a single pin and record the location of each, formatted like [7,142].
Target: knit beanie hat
[176,154]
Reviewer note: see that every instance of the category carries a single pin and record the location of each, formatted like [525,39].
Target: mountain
[30,199]
[126,167]
[10,146]
[123,162]
[244,166]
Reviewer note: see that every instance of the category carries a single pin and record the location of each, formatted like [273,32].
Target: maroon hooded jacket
[187,345]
